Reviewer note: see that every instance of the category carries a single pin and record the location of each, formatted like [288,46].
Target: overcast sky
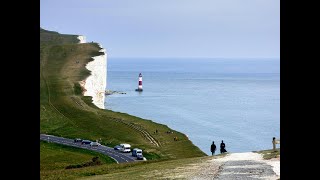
[171,28]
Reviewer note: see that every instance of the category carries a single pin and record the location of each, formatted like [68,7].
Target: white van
[125,148]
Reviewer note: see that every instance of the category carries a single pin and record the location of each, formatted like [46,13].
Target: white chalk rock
[95,85]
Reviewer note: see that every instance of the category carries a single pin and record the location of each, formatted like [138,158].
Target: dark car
[77,140]
[117,147]
[85,142]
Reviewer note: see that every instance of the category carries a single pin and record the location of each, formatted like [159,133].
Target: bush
[95,161]
[77,89]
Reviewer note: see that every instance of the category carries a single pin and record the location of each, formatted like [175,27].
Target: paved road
[245,166]
[246,170]
[116,155]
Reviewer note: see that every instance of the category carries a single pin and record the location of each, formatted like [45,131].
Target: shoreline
[109,92]
[95,84]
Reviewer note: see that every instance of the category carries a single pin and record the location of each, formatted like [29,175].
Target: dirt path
[141,130]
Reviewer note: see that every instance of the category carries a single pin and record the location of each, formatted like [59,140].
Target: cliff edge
[95,84]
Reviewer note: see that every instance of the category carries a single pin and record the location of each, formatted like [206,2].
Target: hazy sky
[170,28]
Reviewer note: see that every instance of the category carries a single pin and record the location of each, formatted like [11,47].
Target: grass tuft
[270,153]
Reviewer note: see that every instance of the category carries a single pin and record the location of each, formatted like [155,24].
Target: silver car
[95,144]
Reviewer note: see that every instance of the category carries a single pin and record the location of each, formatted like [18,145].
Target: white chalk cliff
[82,39]
[95,85]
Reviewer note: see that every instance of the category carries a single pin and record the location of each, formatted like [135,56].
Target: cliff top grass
[269,153]
[65,112]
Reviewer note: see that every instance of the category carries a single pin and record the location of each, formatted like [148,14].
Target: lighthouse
[140,83]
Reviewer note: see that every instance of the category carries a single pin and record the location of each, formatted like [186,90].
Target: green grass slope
[56,156]
[140,170]
[269,153]
[64,111]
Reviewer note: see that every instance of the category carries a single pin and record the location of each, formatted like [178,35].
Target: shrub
[95,161]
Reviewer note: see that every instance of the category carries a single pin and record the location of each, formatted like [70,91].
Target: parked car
[77,140]
[85,142]
[140,157]
[95,144]
[117,147]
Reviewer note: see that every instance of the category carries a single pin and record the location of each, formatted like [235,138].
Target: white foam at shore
[95,85]
[82,39]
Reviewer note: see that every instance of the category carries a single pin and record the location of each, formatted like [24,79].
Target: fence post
[274,143]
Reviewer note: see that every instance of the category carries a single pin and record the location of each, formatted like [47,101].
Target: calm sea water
[234,100]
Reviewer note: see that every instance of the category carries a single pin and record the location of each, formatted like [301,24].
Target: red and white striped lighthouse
[140,83]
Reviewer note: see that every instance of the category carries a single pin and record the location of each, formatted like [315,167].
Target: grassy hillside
[56,156]
[140,170]
[64,111]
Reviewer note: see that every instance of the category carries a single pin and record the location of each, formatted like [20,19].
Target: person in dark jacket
[213,148]
[222,147]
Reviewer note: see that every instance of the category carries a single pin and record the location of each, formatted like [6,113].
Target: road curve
[114,154]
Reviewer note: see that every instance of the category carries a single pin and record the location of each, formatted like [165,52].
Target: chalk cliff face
[82,39]
[95,84]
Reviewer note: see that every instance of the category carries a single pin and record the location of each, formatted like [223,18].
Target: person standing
[213,148]
[222,147]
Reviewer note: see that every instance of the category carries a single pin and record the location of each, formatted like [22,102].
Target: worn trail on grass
[142,131]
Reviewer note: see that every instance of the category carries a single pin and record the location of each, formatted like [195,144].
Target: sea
[236,100]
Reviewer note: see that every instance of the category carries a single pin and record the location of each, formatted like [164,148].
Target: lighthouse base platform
[139,90]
